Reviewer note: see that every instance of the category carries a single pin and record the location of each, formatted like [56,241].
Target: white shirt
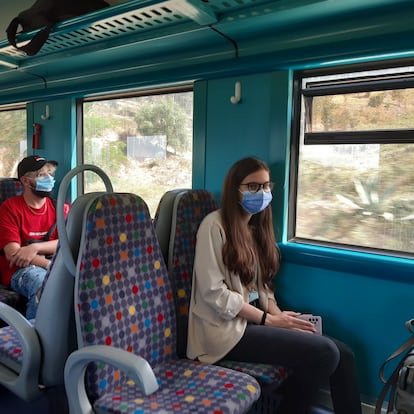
[217,297]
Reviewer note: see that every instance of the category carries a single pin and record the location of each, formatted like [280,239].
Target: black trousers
[313,361]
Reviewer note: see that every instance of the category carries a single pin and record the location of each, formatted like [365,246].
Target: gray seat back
[125,317]
[189,208]
[55,323]
[163,219]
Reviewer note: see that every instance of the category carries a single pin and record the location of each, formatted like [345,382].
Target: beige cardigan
[217,297]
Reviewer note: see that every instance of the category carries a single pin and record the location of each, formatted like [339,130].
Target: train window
[355,160]
[143,142]
[13,141]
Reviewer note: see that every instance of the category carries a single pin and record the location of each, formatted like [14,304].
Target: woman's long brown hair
[246,245]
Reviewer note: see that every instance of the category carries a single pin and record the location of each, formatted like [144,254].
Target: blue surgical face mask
[44,186]
[45,183]
[254,203]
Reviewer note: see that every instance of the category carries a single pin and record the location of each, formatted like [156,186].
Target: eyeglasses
[255,187]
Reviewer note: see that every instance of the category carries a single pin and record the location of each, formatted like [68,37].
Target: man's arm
[33,254]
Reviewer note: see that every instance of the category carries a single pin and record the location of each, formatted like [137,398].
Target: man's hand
[23,256]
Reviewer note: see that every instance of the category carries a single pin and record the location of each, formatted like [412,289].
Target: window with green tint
[360,111]
[13,140]
[143,143]
[353,161]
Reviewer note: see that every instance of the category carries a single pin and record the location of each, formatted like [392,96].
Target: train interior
[239,57]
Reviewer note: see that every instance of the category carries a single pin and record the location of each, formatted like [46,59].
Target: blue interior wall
[365,312]
[58,133]
[257,126]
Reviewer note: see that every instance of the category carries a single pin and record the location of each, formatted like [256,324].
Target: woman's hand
[289,320]
[280,319]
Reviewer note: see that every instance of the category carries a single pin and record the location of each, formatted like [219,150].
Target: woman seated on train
[235,261]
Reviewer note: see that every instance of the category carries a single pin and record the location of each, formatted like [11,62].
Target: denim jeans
[27,281]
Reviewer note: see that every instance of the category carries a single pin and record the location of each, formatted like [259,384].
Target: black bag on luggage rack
[400,384]
[45,14]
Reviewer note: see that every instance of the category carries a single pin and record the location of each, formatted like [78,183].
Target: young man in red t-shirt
[24,218]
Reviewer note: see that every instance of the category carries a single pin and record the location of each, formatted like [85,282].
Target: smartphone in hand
[316,320]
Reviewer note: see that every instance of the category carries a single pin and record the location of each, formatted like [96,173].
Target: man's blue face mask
[44,186]
[254,203]
[45,183]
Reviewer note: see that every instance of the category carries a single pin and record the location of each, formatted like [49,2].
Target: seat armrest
[25,383]
[134,366]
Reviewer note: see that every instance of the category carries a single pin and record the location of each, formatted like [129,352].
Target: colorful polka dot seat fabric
[190,207]
[11,350]
[125,300]
[268,375]
[9,187]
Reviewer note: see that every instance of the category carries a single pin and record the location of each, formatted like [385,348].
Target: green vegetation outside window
[143,143]
[13,140]
[355,160]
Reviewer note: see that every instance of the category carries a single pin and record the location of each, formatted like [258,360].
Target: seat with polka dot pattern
[126,324]
[185,209]
[33,353]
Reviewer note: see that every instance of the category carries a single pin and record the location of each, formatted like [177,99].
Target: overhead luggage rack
[148,19]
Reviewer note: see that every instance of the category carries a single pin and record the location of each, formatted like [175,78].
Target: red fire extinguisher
[36,136]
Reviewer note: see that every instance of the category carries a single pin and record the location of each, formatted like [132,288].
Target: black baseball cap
[32,163]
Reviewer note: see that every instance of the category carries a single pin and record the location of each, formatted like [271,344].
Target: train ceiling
[146,40]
